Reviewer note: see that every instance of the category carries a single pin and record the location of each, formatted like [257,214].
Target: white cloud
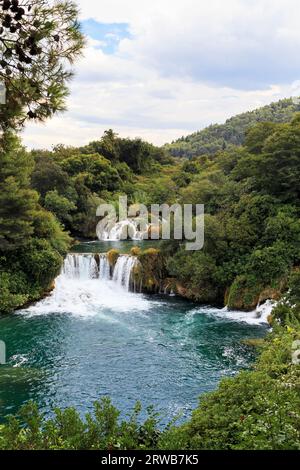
[188,64]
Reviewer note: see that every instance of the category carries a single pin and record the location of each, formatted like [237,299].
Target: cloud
[239,44]
[163,69]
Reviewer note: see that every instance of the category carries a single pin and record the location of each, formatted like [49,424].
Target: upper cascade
[132,228]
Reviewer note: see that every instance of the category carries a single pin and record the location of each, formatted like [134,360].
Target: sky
[162,69]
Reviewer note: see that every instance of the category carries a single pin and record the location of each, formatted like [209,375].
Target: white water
[123,270]
[81,267]
[133,228]
[259,316]
[126,229]
[83,288]
[104,268]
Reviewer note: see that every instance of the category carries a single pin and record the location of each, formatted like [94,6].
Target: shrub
[135,251]
[113,256]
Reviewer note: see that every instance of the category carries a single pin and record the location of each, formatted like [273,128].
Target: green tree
[38,42]
[49,176]
[17,200]
[60,206]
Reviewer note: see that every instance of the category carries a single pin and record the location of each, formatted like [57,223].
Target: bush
[9,300]
[41,263]
[27,273]
[60,206]
[113,256]
[135,251]
[47,227]
[101,430]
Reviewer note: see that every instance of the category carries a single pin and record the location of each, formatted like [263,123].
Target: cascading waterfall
[104,268]
[82,267]
[89,266]
[123,270]
[121,231]
[136,228]
[88,285]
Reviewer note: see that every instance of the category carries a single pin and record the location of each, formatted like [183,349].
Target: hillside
[218,136]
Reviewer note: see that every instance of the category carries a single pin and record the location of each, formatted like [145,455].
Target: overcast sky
[161,69]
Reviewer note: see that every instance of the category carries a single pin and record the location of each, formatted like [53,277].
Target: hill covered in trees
[221,136]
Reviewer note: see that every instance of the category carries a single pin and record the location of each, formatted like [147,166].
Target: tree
[37,42]
[60,206]
[108,146]
[49,176]
[257,136]
[98,172]
[17,201]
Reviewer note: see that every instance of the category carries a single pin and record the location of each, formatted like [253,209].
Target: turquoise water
[92,338]
[104,246]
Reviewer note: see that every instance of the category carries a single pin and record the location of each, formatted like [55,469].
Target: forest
[218,137]
[250,193]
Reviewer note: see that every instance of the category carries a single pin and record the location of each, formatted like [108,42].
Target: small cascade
[104,268]
[125,229]
[264,310]
[123,270]
[82,267]
[259,316]
[134,228]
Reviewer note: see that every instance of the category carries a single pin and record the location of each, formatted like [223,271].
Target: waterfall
[88,266]
[123,270]
[104,268]
[87,286]
[121,231]
[82,267]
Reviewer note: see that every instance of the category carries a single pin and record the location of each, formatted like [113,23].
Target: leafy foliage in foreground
[100,430]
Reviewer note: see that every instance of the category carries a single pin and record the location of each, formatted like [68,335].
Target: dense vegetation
[222,136]
[251,197]
[72,182]
[252,233]
[258,409]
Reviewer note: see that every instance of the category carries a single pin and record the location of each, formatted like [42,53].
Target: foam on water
[85,289]
[257,317]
